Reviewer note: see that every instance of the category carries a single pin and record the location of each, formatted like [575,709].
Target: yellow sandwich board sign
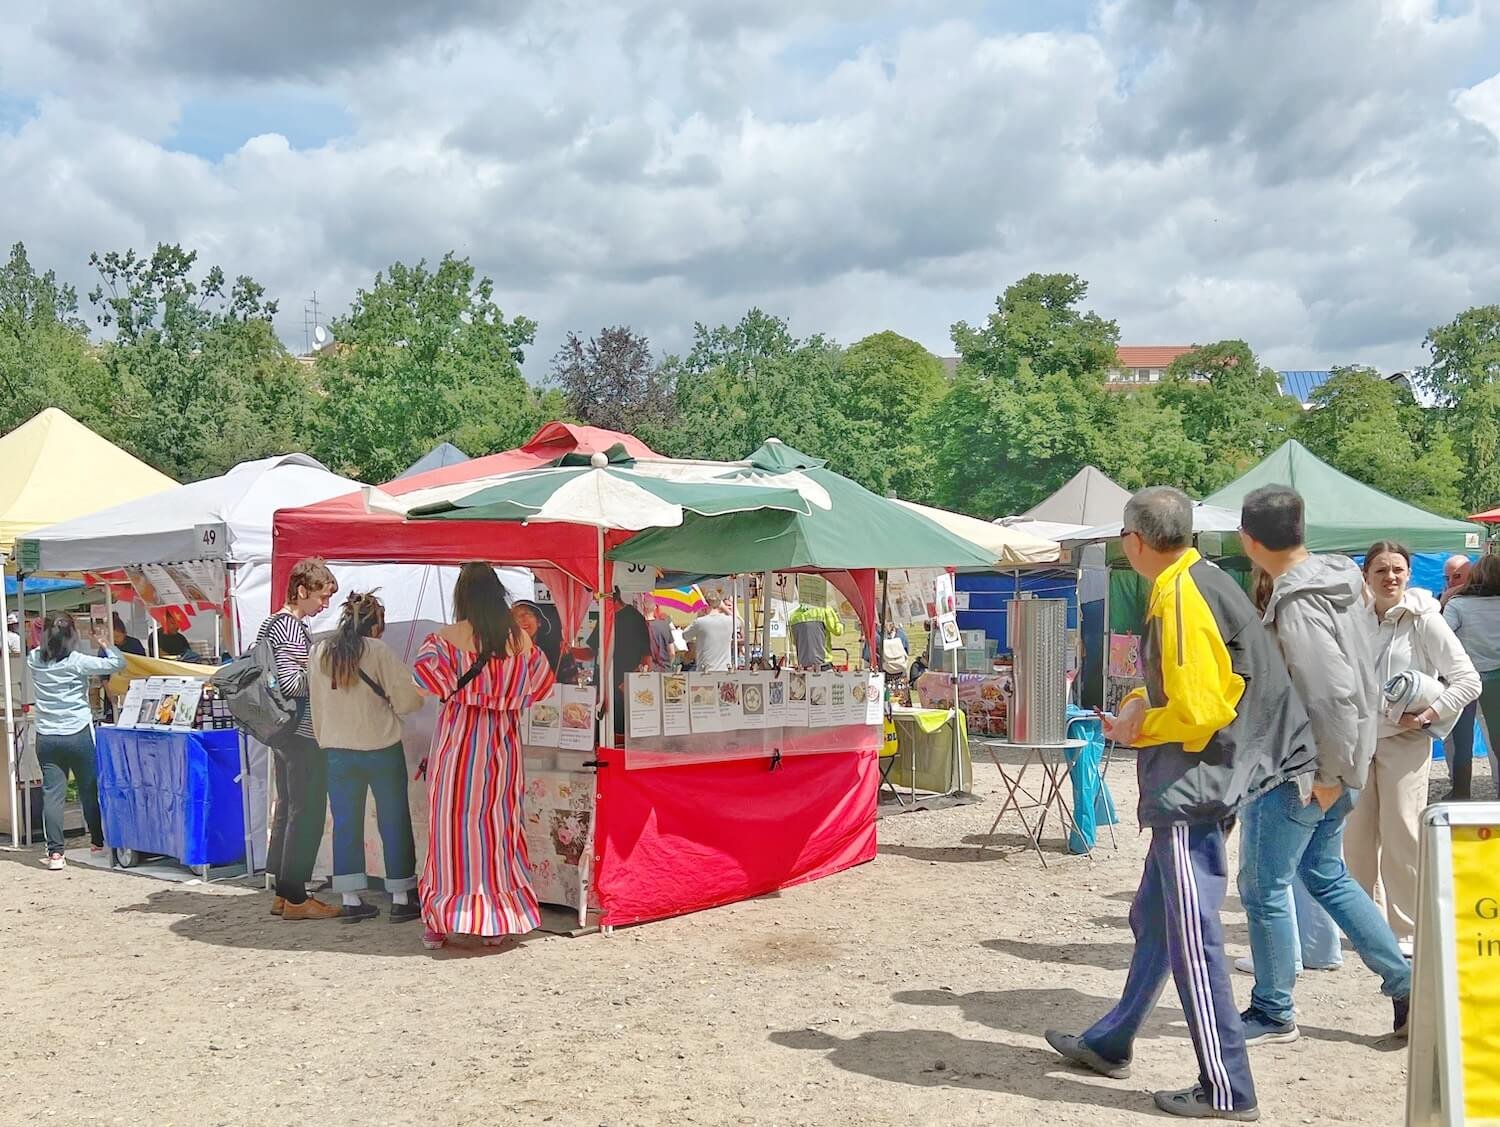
[1453,1076]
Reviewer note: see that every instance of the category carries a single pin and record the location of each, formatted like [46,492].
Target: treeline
[181,366]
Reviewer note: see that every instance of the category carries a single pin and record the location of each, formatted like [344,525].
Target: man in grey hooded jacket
[1318,614]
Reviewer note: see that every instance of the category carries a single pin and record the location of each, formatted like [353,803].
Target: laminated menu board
[163,703]
[703,702]
[546,720]
[675,718]
[577,733]
[776,711]
[643,704]
[797,708]
[875,698]
[840,700]
[731,708]
[819,700]
[753,689]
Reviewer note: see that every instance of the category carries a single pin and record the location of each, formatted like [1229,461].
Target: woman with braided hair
[360,690]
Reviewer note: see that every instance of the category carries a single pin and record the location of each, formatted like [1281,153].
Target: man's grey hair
[1163,517]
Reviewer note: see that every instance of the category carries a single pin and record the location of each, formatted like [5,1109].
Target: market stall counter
[174,793]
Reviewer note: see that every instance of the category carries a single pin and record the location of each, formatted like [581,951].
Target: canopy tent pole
[25,646]
[765,618]
[11,774]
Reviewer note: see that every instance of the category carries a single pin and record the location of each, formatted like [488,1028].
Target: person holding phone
[60,674]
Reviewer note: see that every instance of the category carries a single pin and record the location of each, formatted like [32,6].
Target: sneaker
[1402,1022]
[1246,965]
[433,940]
[405,913]
[1072,1048]
[1406,947]
[1193,1103]
[56,862]
[311,909]
[1261,1029]
[354,913]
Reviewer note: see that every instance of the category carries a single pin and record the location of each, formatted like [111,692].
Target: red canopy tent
[667,840]
[1491,516]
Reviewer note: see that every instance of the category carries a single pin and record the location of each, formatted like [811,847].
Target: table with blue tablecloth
[175,793]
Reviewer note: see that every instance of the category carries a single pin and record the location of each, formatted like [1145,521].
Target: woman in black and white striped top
[300,765]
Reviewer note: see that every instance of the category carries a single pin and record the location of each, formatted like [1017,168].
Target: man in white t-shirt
[711,638]
[12,639]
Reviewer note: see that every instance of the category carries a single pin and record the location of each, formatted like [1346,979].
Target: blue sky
[1318,179]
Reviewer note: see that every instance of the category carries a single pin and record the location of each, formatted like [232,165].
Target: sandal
[433,940]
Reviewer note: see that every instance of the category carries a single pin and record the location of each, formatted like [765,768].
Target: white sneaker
[55,861]
[1245,965]
[1406,947]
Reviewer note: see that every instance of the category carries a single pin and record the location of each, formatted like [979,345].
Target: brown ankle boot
[311,909]
[278,905]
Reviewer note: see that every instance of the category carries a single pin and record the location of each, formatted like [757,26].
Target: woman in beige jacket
[1380,838]
[360,690]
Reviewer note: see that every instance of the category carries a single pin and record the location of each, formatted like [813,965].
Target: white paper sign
[546,719]
[953,639]
[675,718]
[634,579]
[130,708]
[819,700]
[875,699]
[796,699]
[643,711]
[210,539]
[577,718]
[703,702]
[776,707]
[753,688]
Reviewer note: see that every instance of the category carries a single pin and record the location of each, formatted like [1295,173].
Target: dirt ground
[910,990]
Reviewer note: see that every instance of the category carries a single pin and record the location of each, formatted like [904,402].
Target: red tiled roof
[1149,355]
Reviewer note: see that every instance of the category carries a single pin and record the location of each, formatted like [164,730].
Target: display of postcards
[731,705]
[776,701]
[753,690]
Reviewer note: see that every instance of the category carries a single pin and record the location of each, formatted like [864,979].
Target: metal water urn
[1038,630]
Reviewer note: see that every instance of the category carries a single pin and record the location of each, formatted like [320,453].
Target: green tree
[1373,430]
[741,384]
[201,380]
[891,386]
[1148,444]
[1464,380]
[423,356]
[1028,406]
[45,356]
[1231,407]
[612,381]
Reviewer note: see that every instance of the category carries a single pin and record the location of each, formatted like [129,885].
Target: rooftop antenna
[314,335]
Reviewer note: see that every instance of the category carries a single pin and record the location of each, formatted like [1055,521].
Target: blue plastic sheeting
[1481,748]
[990,592]
[39,586]
[1093,805]
[173,793]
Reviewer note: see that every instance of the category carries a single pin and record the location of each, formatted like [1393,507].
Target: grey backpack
[247,686]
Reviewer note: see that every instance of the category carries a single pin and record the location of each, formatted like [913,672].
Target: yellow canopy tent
[53,468]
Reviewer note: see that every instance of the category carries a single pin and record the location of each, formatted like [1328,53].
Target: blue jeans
[1281,836]
[59,755]
[351,775]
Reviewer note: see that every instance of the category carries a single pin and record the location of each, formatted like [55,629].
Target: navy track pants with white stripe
[1175,918]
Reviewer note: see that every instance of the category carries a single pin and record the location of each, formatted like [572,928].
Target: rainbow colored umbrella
[688,600]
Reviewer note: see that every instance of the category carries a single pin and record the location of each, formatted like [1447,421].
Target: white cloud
[1303,176]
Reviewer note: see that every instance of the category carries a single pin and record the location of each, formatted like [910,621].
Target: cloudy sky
[1320,179]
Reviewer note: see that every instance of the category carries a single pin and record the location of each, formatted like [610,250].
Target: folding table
[1056,766]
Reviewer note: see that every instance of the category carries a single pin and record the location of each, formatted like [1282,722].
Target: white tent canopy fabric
[239,505]
[1207,519]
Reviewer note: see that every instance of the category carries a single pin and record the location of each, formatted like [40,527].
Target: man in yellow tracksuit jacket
[1217,725]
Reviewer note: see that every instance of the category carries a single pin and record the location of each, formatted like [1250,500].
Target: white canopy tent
[227,520]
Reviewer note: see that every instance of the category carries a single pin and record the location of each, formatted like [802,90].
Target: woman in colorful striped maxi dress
[477,879]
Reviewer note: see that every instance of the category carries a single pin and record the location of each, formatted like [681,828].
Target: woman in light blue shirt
[60,674]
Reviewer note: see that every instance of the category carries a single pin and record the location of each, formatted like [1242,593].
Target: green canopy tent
[1344,515]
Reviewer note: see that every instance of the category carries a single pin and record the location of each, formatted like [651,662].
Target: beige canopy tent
[1011,547]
